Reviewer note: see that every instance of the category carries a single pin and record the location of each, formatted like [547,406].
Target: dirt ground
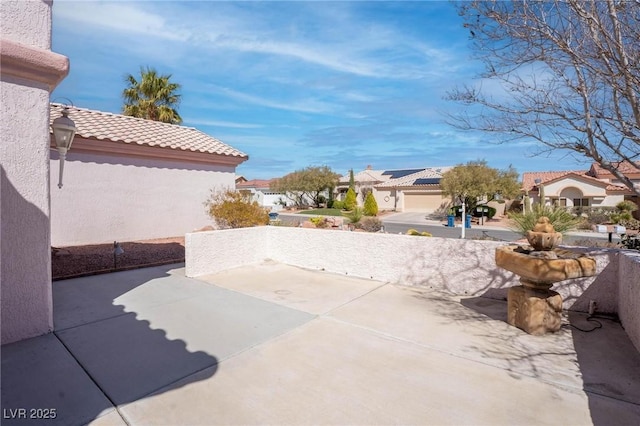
[68,262]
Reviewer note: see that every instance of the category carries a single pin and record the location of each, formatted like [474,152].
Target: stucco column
[29,73]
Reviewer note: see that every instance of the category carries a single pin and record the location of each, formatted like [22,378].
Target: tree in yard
[154,97]
[350,200]
[476,181]
[310,182]
[370,205]
[568,77]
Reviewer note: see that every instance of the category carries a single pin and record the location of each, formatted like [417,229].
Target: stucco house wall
[571,188]
[109,198]
[29,72]
[128,179]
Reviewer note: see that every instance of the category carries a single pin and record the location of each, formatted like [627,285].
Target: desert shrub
[561,219]
[337,204]
[597,216]
[370,205]
[371,224]
[631,224]
[623,211]
[355,215]
[350,201]
[418,233]
[231,209]
[319,221]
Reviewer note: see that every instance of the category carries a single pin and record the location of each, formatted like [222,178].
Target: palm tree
[154,97]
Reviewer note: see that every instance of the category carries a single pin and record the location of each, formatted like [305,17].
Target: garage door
[422,202]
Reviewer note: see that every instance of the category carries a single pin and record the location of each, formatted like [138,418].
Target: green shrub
[626,206]
[231,209]
[418,233]
[488,211]
[371,224]
[355,215]
[561,219]
[350,201]
[337,204]
[370,205]
[319,221]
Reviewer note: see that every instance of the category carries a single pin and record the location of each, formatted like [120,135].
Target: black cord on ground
[591,319]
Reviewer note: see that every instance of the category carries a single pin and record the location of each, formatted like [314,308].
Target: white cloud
[119,16]
[219,123]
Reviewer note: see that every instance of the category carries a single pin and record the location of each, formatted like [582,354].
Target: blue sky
[294,84]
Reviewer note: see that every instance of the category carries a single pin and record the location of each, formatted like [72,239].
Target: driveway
[274,344]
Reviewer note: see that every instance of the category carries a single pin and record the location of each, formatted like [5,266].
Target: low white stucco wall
[465,267]
[214,251]
[107,198]
[629,295]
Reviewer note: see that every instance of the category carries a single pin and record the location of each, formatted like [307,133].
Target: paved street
[399,223]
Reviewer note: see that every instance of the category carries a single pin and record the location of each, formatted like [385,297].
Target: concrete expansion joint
[356,298]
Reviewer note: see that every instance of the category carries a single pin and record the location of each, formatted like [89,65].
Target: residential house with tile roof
[407,190]
[127,178]
[578,188]
[259,190]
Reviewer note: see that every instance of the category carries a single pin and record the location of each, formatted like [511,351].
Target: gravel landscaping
[69,262]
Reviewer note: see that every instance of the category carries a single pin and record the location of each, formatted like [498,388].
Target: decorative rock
[535,311]
[308,224]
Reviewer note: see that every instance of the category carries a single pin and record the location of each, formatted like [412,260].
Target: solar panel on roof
[427,181]
[395,174]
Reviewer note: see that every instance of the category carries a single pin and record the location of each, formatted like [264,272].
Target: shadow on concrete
[610,368]
[99,355]
[607,365]
[78,261]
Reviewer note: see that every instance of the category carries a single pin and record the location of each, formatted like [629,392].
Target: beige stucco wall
[108,198]
[29,72]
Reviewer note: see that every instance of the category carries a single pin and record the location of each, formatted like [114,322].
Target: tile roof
[255,183]
[100,125]
[528,179]
[425,177]
[625,167]
[367,175]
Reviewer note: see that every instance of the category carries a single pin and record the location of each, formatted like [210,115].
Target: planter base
[535,311]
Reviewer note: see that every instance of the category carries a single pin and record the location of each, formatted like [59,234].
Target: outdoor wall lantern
[64,129]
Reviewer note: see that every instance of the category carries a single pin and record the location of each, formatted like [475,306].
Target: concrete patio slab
[43,384]
[196,353]
[292,286]
[151,345]
[329,372]
[93,298]
[476,329]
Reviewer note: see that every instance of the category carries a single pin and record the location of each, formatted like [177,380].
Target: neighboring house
[127,178]
[579,188]
[258,190]
[240,179]
[407,190]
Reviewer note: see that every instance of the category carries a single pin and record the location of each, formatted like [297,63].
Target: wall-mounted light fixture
[64,129]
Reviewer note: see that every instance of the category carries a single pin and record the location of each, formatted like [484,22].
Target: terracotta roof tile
[529,178]
[255,183]
[100,125]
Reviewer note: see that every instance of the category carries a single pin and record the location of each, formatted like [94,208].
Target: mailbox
[619,229]
[601,228]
